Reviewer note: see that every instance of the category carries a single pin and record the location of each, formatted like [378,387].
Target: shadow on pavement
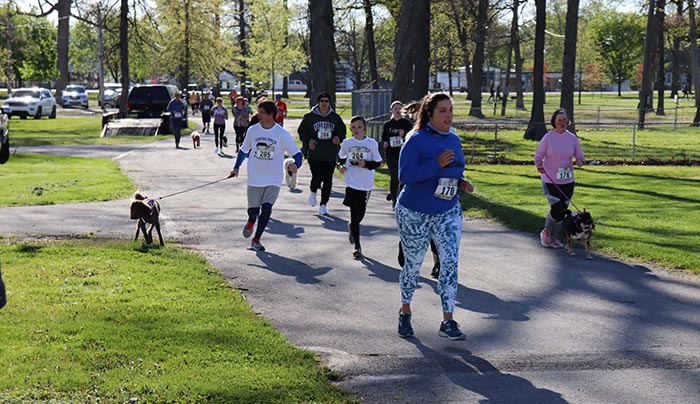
[289,267]
[478,375]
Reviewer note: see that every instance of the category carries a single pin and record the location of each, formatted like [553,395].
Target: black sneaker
[389,197]
[405,329]
[357,254]
[450,329]
[435,272]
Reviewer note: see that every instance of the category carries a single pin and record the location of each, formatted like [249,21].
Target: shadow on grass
[514,217]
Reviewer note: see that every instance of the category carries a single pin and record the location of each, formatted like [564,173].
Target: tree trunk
[242,41]
[62,48]
[412,72]
[646,89]
[371,48]
[124,54]
[520,99]
[421,79]
[463,42]
[321,49]
[675,63]
[569,67]
[694,60]
[478,62]
[285,79]
[661,49]
[185,79]
[536,127]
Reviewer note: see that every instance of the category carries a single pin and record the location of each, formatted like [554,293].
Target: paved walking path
[542,327]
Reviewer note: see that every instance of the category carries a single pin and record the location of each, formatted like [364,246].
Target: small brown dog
[196,139]
[146,210]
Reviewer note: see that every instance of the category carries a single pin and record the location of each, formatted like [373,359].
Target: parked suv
[150,101]
[74,95]
[4,139]
[34,101]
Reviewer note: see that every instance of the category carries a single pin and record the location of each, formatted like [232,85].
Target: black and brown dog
[146,210]
[578,226]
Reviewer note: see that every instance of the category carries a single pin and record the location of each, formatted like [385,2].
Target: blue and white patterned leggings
[416,229]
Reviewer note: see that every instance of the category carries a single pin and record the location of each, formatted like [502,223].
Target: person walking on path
[321,130]
[177,109]
[220,117]
[393,136]
[264,146]
[206,106]
[358,158]
[194,102]
[431,167]
[492,91]
[241,120]
[554,159]
[281,109]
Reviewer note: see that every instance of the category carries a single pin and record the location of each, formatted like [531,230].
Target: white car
[35,101]
[110,88]
[74,95]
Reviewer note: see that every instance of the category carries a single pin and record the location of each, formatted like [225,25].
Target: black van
[150,101]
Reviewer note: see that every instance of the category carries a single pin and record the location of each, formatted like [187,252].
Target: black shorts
[356,198]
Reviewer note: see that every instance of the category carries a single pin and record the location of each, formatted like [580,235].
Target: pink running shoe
[545,239]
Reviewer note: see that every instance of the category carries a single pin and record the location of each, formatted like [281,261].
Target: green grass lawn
[120,322]
[657,143]
[33,179]
[642,213]
[68,131]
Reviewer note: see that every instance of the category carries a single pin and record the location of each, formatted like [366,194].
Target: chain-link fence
[611,142]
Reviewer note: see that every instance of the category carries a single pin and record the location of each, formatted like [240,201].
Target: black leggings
[322,177]
[357,201]
[240,134]
[392,161]
[219,134]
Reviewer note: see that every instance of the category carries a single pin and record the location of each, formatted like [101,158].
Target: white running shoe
[216,150]
[312,199]
[322,210]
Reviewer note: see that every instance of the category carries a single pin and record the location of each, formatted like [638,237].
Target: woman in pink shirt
[556,154]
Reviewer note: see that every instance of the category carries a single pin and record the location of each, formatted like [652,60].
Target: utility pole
[100,52]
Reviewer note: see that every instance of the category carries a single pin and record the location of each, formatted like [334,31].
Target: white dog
[290,178]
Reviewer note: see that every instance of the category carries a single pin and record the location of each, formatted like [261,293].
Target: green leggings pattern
[416,229]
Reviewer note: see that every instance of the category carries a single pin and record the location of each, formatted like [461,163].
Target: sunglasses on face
[324,100]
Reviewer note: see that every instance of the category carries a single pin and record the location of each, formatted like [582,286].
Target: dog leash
[562,192]
[192,189]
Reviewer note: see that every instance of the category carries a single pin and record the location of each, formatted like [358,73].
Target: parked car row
[144,101]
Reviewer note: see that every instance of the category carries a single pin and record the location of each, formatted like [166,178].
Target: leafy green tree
[82,51]
[37,59]
[620,41]
[270,54]
[188,40]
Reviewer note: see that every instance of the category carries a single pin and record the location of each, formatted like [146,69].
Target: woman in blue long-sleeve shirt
[431,167]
